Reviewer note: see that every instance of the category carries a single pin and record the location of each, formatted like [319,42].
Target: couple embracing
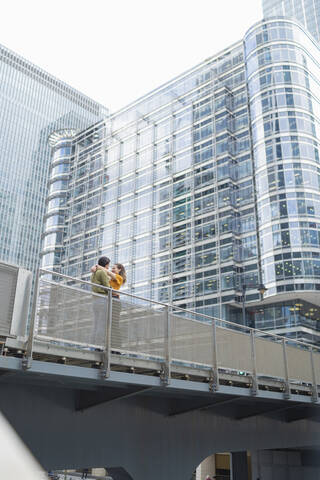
[114,278]
[101,275]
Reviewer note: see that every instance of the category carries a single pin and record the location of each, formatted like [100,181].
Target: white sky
[115,51]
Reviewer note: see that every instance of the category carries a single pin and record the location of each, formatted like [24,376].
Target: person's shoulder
[119,278]
[101,273]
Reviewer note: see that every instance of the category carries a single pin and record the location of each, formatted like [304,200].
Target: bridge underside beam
[288,413]
[302,413]
[88,399]
[206,406]
[265,409]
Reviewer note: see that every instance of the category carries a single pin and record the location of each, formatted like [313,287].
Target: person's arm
[94,268]
[115,277]
[111,275]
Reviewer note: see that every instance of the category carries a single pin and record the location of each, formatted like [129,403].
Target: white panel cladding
[8,282]
[15,287]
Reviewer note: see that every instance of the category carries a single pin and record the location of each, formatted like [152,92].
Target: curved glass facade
[284,96]
[57,199]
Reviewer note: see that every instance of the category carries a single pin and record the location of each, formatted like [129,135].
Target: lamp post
[261,289]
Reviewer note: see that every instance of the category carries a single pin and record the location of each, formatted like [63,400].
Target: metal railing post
[255,386]
[166,367]
[214,380]
[286,392]
[27,359]
[105,367]
[314,388]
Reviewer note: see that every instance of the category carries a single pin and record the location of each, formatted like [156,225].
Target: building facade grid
[184,186]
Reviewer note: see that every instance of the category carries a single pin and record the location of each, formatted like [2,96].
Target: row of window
[291,269]
[279,53]
[288,98]
[284,122]
[289,238]
[282,208]
[279,74]
[288,175]
[281,148]
[272,32]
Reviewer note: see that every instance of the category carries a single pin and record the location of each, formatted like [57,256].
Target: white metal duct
[15,288]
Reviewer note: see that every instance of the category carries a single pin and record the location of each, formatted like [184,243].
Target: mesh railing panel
[269,358]
[233,350]
[299,364]
[138,329]
[72,316]
[191,341]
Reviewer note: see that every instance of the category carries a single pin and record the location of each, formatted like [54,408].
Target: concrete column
[239,466]
[207,467]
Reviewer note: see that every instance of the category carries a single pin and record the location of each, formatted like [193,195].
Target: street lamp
[261,289]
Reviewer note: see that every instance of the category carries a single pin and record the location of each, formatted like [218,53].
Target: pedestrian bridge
[150,374]
[74,326]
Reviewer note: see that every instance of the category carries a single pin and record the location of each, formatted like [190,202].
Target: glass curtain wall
[164,190]
[33,104]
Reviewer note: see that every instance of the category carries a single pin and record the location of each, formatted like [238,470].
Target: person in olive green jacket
[100,277]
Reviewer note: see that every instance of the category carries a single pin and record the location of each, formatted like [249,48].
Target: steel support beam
[268,411]
[205,407]
[86,400]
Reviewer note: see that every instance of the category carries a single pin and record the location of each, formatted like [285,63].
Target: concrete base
[282,465]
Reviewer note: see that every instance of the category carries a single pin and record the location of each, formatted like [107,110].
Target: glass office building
[206,187]
[33,104]
[306,12]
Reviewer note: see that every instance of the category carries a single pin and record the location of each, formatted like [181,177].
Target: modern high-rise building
[306,12]
[206,188]
[33,103]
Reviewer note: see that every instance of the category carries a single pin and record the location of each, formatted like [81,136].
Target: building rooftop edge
[174,79]
[53,77]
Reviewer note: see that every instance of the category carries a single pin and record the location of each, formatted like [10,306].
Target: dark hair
[103,261]
[122,272]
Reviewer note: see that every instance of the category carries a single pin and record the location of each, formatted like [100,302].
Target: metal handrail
[165,305]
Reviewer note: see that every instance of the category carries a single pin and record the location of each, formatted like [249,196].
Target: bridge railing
[67,312]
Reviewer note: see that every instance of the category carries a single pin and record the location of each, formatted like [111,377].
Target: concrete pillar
[207,467]
[239,466]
